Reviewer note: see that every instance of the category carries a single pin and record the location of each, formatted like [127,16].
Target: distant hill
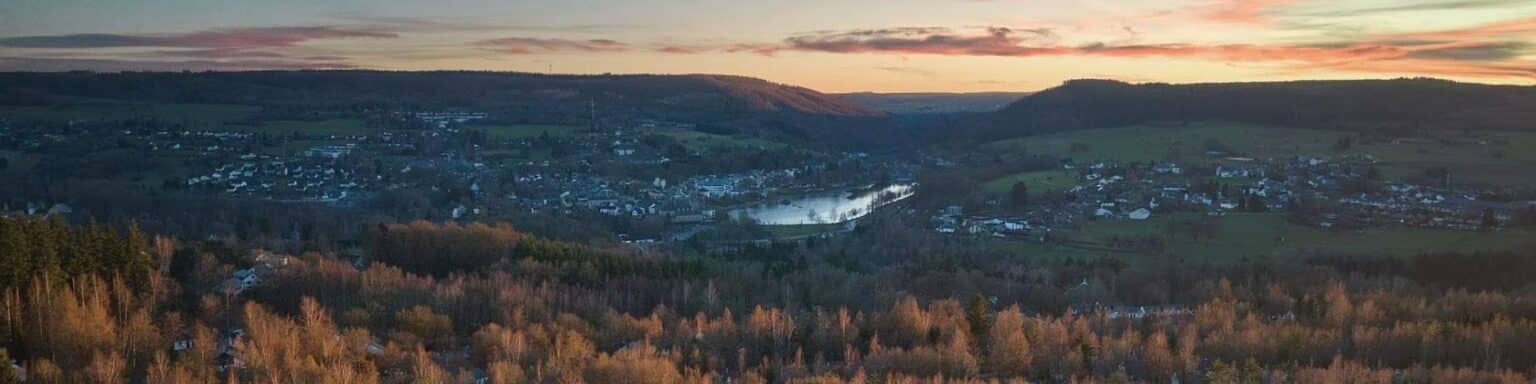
[547,97]
[1402,104]
[925,103]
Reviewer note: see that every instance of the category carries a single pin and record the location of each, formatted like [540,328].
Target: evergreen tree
[977,315]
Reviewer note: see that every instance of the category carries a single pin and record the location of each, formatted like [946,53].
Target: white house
[1140,214]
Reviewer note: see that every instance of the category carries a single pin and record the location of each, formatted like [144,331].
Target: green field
[1180,143]
[1258,236]
[525,131]
[1486,157]
[801,230]
[187,114]
[1039,182]
[700,141]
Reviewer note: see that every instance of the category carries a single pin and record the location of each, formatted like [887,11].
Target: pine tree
[1221,373]
[15,265]
[977,315]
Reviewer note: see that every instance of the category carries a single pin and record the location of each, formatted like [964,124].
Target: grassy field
[801,230]
[1270,235]
[187,114]
[1039,182]
[154,177]
[1183,143]
[699,141]
[524,131]
[1485,157]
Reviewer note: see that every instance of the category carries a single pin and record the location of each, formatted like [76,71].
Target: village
[1343,192]
[631,170]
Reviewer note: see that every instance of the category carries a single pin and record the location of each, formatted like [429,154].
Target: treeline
[1496,271]
[1402,104]
[879,305]
[538,98]
[442,249]
[1342,331]
[50,248]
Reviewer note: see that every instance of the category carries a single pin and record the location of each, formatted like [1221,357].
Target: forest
[424,302]
[1398,105]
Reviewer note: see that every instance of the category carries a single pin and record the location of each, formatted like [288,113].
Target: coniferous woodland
[455,303]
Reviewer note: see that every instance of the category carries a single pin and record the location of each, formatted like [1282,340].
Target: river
[826,208]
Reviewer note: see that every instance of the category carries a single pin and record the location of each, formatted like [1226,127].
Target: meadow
[1187,143]
[702,141]
[1484,157]
[1264,236]
[1039,182]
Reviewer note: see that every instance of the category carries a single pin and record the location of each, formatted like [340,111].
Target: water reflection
[826,208]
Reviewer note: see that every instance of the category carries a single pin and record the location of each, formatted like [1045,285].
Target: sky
[827,45]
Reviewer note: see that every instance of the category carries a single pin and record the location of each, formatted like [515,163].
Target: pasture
[1483,157]
[1039,182]
[1259,236]
[702,141]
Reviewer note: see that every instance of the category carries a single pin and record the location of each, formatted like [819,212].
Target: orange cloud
[1479,51]
[1241,11]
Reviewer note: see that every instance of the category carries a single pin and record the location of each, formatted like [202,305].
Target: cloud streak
[531,45]
[67,64]
[1488,50]
[233,38]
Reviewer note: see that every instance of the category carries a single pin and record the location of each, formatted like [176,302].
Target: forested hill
[690,96]
[1352,105]
[934,103]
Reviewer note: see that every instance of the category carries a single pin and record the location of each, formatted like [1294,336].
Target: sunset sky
[828,45]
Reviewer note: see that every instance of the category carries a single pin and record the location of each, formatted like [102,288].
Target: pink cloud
[68,64]
[527,45]
[232,38]
[1240,11]
[1478,51]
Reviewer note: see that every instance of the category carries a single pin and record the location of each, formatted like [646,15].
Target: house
[1167,168]
[1231,173]
[716,187]
[624,150]
[1140,214]
[954,210]
[181,345]
[59,210]
[329,151]
[245,279]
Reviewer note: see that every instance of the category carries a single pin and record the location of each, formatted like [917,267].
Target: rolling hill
[1401,104]
[539,96]
[931,103]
